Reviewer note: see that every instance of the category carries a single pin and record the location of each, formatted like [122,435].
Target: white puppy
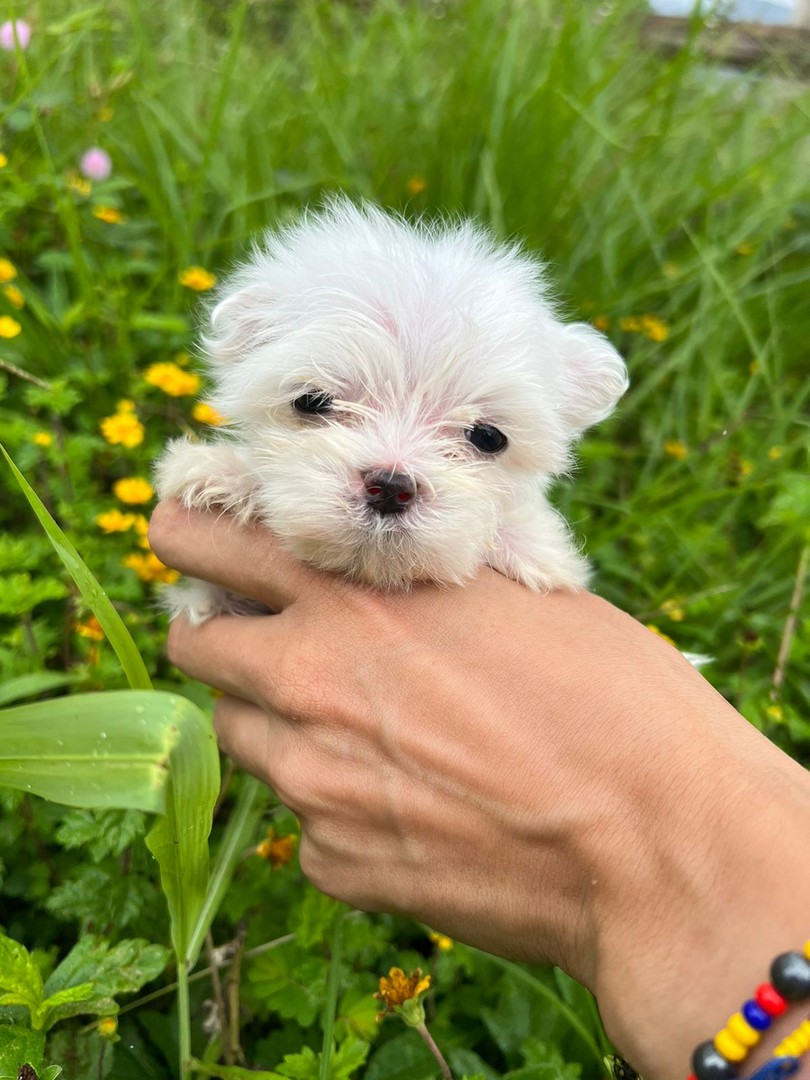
[400,398]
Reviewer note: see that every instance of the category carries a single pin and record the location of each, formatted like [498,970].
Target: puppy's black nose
[387,492]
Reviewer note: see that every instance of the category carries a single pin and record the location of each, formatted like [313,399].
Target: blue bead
[756,1016]
[709,1064]
[790,974]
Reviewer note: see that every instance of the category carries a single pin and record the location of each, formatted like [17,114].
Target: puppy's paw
[207,475]
[534,547]
[200,601]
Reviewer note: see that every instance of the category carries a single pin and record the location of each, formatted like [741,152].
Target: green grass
[653,186]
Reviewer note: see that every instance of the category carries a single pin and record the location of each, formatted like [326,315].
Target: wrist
[716,896]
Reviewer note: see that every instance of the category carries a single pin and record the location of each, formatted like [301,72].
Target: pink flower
[95,164]
[7,34]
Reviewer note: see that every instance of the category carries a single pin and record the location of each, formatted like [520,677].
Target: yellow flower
[775,453]
[776,712]
[671,269]
[673,609]
[111,521]
[204,414]
[148,567]
[172,380]
[401,993]
[745,248]
[141,527]
[125,405]
[43,438]
[3,161]
[660,633]
[7,271]
[14,296]
[108,214]
[9,327]
[90,629]
[601,322]
[630,323]
[654,328]
[79,184]
[674,448]
[416,185]
[133,489]
[278,850]
[745,467]
[124,428]
[107,1026]
[106,114]
[442,942]
[197,278]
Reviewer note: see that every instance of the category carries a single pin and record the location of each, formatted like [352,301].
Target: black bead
[709,1064]
[790,974]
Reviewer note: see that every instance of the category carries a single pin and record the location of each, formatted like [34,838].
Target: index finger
[246,559]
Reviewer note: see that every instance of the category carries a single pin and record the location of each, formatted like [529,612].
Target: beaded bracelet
[785,1060]
[720,1057]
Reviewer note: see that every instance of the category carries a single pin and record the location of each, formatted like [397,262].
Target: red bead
[769,998]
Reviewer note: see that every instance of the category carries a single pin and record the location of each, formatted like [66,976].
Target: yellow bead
[742,1030]
[728,1046]
[807,948]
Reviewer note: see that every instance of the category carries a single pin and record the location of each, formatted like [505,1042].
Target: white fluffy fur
[418,331]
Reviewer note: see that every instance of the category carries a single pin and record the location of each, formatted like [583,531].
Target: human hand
[539,776]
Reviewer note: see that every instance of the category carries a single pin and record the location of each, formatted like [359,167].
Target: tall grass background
[668,196]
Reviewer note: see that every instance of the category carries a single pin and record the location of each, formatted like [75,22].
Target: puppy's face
[402,391]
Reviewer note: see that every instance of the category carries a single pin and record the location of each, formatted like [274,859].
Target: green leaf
[405,1057]
[20,980]
[118,969]
[20,593]
[94,596]
[103,832]
[70,1002]
[33,684]
[544,1062]
[19,1046]
[100,750]
[238,834]
[179,838]
[289,984]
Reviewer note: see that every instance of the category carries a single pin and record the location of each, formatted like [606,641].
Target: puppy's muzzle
[388,492]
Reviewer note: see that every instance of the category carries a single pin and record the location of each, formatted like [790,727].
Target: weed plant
[670,199]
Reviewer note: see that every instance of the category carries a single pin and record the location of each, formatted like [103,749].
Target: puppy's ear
[594,376]
[240,324]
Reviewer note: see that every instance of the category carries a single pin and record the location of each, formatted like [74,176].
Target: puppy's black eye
[486,438]
[314,403]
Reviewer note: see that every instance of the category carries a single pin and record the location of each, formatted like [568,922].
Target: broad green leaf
[117,969]
[32,685]
[290,983]
[179,838]
[51,1073]
[19,1046]
[70,1002]
[100,750]
[94,596]
[20,980]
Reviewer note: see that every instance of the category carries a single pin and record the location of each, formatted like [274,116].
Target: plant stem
[332,987]
[423,1031]
[184,1016]
[790,624]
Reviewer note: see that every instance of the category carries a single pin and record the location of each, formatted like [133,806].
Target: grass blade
[94,596]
